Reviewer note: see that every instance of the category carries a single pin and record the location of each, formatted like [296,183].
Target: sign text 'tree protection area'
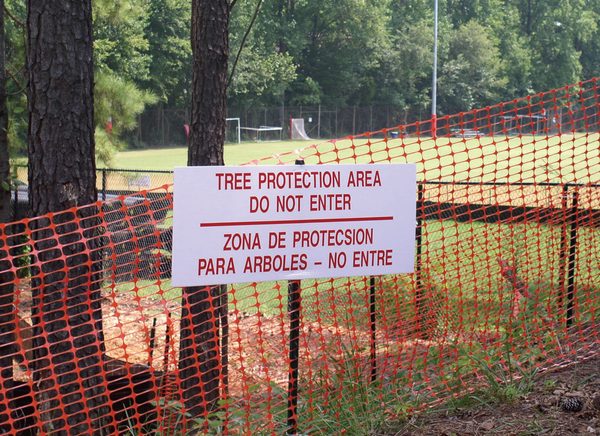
[251,224]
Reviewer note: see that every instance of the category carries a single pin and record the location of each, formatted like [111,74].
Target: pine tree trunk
[8,348]
[62,175]
[203,354]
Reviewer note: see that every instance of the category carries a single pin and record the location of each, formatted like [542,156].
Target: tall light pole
[434,87]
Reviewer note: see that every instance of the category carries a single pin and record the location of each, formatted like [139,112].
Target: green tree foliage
[168,34]
[339,49]
[261,78]
[367,52]
[471,74]
[264,69]
[16,41]
[404,69]
[120,43]
[119,101]
[122,61]
[335,52]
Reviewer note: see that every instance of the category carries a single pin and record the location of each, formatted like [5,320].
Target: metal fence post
[372,308]
[419,294]
[572,258]
[104,182]
[563,245]
[294,309]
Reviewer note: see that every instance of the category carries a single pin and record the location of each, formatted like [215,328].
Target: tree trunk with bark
[8,347]
[203,352]
[62,175]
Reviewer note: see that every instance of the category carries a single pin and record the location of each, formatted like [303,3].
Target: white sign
[262,223]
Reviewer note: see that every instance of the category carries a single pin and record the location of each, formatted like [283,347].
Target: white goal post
[260,133]
[237,130]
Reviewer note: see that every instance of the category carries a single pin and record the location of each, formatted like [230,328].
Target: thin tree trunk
[201,366]
[5,210]
[62,175]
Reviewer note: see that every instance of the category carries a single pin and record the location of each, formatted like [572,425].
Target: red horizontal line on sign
[310,221]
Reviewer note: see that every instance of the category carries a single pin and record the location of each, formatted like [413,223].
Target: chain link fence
[111,183]
[159,127]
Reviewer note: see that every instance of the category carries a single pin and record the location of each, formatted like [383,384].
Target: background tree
[471,74]
[62,175]
[122,62]
[167,30]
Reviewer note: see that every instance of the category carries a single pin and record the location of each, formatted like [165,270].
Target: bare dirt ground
[538,413]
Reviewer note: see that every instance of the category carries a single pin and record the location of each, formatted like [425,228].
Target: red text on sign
[337,260]
[364,179]
[241,241]
[288,203]
[257,204]
[361,259]
[330,202]
[277,240]
[216,266]
[234,181]
[265,264]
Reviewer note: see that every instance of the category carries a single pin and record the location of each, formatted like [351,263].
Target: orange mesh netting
[95,340]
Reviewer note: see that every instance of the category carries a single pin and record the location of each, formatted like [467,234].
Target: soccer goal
[297,129]
[233,130]
[262,133]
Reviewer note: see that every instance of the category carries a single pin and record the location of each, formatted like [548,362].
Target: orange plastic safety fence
[95,340]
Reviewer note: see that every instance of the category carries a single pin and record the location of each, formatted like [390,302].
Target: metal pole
[563,246]
[572,258]
[372,308]
[434,86]
[104,184]
[319,124]
[294,309]
[419,295]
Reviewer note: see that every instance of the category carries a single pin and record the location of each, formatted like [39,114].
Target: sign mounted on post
[251,224]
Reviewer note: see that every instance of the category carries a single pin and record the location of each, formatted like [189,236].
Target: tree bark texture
[203,349]
[62,170]
[8,348]
[66,308]
[210,46]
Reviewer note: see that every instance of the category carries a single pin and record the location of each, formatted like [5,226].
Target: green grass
[565,158]
[235,154]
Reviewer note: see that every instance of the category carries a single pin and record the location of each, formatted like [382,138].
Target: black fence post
[294,309]
[419,294]
[104,182]
[574,219]
[372,309]
[563,245]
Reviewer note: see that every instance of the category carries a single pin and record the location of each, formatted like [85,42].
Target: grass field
[563,158]
[235,154]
